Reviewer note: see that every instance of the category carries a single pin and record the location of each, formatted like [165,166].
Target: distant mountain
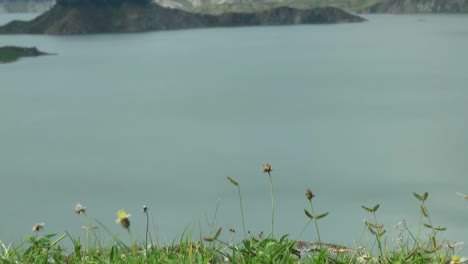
[420,6]
[244,6]
[92,16]
[25,6]
[222,6]
[361,6]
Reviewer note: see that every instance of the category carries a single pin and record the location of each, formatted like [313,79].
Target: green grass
[422,245]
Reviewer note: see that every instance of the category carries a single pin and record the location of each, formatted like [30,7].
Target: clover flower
[267,167]
[37,227]
[122,218]
[79,208]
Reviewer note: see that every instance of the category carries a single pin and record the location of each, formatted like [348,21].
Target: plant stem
[379,243]
[315,222]
[272,206]
[242,210]
[146,238]
[303,229]
[93,230]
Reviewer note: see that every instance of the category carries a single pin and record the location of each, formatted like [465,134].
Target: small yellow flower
[457,260]
[79,208]
[37,227]
[122,218]
[267,167]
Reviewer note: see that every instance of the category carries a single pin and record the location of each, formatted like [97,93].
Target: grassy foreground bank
[411,246]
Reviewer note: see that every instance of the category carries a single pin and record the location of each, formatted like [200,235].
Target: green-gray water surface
[361,113]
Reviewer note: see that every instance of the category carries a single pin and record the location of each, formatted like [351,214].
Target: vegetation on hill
[101,2]
[250,7]
[359,6]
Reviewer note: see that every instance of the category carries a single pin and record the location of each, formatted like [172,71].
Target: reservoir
[362,114]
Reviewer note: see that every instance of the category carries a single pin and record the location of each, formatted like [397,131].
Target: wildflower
[267,167]
[79,208]
[366,259]
[145,209]
[122,218]
[260,235]
[457,259]
[309,194]
[37,227]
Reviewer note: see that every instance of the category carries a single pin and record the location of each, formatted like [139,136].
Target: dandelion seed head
[37,227]
[79,208]
[267,167]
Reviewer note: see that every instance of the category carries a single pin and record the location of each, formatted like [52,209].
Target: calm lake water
[361,113]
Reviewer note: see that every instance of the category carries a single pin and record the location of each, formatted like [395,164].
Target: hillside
[420,6]
[25,6]
[245,6]
[76,17]
[361,6]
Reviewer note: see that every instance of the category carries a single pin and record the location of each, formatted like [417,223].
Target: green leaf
[232,181]
[440,228]
[419,197]
[322,215]
[367,208]
[428,225]
[217,233]
[372,230]
[381,233]
[308,214]
[374,209]
[114,253]
[426,194]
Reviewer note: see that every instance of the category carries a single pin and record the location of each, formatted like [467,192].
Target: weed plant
[423,247]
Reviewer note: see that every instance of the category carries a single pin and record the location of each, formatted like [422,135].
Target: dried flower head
[267,167]
[79,208]
[89,228]
[122,218]
[145,209]
[37,227]
[309,194]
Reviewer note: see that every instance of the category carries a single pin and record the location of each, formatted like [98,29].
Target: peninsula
[13,53]
[69,17]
